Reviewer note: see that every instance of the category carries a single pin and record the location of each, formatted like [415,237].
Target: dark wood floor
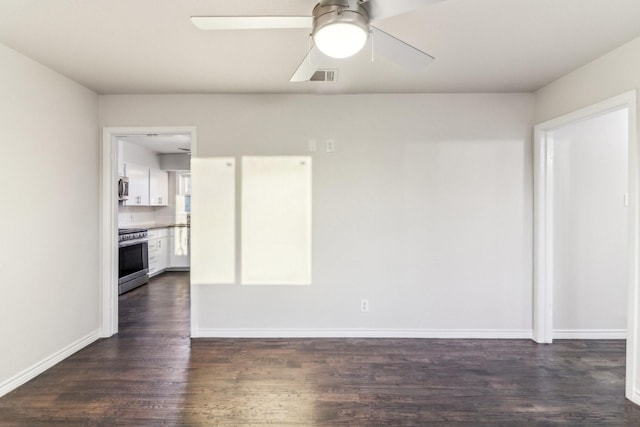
[151,373]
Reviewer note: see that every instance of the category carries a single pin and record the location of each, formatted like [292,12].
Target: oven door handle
[132,242]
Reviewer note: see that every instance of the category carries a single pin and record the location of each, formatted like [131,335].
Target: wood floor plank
[152,373]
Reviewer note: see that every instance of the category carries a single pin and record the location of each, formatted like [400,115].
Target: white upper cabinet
[147,187]
[138,185]
[148,184]
[158,187]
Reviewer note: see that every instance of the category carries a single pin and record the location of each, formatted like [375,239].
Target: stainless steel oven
[133,255]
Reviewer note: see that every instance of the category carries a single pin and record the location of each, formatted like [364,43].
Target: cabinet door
[158,187]
[138,185]
[153,256]
[158,250]
[163,253]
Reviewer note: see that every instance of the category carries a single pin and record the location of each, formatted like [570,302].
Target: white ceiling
[150,46]
[163,144]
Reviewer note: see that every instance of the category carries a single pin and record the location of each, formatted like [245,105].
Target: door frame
[543,227]
[109,216]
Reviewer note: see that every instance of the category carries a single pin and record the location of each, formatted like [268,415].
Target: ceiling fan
[339,29]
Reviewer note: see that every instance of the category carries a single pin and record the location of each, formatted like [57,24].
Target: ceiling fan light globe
[340,40]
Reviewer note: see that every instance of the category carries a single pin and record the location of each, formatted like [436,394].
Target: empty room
[303,213]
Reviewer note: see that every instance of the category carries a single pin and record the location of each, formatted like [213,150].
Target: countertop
[154,226]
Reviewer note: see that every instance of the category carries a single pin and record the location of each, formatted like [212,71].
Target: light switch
[331,146]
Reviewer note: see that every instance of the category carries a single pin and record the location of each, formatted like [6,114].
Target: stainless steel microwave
[123,188]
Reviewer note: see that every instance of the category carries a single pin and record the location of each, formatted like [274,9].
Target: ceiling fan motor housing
[340,28]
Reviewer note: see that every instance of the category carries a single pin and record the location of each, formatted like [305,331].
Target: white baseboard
[362,333]
[35,370]
[635,398]
[590,334]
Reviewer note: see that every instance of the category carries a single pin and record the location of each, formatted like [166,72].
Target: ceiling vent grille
[324,76]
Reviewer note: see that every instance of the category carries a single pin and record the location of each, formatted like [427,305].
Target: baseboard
[590,334]
[35,370]
[635,398]
[363,333]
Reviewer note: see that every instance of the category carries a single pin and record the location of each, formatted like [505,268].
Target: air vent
[324,76]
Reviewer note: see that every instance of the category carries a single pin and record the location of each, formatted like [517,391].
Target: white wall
[131,216]
[49,217]
[590,226]
[175,162]
[424,209]
[608,76]
[132,153]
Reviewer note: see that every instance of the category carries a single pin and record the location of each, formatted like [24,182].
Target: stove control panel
[133,235]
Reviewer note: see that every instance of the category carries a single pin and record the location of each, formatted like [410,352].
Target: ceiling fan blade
[309,65]
[398,51]
[251,22]
[381,9]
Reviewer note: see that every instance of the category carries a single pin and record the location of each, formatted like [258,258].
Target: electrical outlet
[364,305]
[331,146]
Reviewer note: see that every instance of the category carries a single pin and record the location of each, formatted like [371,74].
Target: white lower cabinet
[158,250]
[169,249]
[179,250]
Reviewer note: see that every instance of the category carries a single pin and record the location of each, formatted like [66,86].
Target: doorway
[110,213]
[590,204]
[548,207]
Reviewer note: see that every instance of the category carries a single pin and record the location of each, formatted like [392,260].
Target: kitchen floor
[152,373]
